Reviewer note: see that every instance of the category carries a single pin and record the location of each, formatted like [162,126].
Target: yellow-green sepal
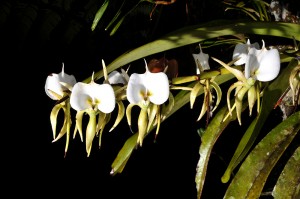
[90,131]
[121,113]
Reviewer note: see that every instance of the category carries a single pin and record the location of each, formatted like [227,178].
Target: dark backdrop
[35,38]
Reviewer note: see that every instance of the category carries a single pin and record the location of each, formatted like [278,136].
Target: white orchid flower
[153,87]
[58,87]
[93,96]
[57,84]
[201,60]
[241,51]
[148,91]
[263,65]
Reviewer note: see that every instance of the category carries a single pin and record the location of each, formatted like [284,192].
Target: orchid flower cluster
[152,90]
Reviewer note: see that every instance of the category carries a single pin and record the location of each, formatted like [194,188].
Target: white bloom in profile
[201,60]
[263,65]
[57,84]
[93,96]
[116,77]
[153,87]
[241,51]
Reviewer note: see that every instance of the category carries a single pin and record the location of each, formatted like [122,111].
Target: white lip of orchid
[241,51]
[201,60]
[263,65]
[153,87]
[93,96]
[57,84]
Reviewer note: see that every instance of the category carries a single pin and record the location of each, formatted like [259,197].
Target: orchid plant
[259,72]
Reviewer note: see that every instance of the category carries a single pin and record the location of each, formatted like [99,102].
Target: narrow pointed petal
[142,125]
[237,73]
[79,116]
[121,113]
[90,132]
[152,115]
[239,103]
[230,89]
[101,121]
[166,109]
[53,118]
[219,94]
[204,107]
[252,97]
[128,114]
[63,130]
[158,117]
[194,93]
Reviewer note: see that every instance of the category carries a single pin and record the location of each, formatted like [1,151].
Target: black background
[35,38]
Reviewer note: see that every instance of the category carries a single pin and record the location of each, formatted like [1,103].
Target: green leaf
[288,185]
[99,14]
[271,94]
[124,154]
[208,139]
[253,173]
[194,34]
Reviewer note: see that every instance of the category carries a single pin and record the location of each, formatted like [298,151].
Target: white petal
[85,96]
[201,61]
[158,87]
[105,94]
[269,66]
[136,86]
[116,78]
[240,51]
[53,84]
[80,97]
[251,64]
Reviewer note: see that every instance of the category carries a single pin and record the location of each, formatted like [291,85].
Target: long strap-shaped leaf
[288,185]
[200,32]
[210,136]
[253,173]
